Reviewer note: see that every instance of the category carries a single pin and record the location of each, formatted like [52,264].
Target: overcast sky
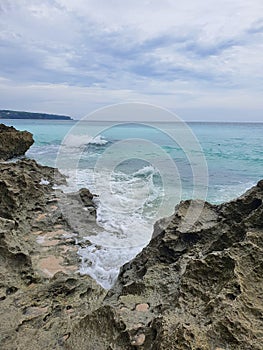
[200,58]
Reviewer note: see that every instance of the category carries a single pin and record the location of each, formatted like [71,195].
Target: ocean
[141,171]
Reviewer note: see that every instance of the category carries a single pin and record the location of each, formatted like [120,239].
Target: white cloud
[198,54]
[187,101]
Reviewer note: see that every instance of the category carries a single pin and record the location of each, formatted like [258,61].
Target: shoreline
[191,287]
[16,115]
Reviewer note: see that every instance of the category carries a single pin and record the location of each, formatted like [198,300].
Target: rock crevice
[194,287]
[203,285]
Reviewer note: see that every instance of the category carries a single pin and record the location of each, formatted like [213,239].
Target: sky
[202,59]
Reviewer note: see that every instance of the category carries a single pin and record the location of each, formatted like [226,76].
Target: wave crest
[81,141]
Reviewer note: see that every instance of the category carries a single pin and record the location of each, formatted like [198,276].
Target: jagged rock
[40,316]
[13,143]
[41,293]
[194,287]
[203,285]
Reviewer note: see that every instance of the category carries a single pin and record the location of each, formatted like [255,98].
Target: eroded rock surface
[199,288]
[13,143]
[193,287]
[41,292]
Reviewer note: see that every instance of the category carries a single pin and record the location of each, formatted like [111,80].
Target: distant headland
[8,114]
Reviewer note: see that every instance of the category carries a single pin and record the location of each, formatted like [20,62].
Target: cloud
[188,102]
[109,51]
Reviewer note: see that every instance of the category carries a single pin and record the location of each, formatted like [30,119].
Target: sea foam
[80,141]
[126,209]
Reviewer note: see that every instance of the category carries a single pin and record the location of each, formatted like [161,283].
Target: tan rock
[50,265]
[37,232]
[53,207]
[41,217]
[65,337]
[142,307]
[138,340]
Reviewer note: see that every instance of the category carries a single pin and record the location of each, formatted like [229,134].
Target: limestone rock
[203,285]
[194,287]
[13,143]
[41,293]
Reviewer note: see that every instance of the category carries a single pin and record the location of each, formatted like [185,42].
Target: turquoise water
[141,171]
[233,151]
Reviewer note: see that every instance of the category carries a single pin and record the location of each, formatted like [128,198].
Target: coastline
[189,288]
[10,114]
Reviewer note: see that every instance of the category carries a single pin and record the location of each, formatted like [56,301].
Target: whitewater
[135,191]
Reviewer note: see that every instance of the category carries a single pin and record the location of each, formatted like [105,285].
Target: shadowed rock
[13,143]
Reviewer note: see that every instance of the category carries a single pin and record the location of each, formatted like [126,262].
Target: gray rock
[41,292]
[13,143]
[193,287]
[203,285]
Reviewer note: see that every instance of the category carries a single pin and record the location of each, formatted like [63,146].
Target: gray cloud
[198,56]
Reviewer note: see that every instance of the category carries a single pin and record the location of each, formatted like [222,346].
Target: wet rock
[13,143]
[79,209]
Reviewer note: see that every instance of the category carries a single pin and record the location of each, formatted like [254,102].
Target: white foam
[72,141]
[126,210]
[229,192]
[145,171]
[103,263]
[98,140]
[127,194]
[44,182]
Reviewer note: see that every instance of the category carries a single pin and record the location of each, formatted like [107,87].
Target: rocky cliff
[196,287]
[40,292]
[13,143]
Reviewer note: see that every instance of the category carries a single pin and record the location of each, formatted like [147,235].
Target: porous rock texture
[198,288]
[13,143]
[194,287]
[40,289]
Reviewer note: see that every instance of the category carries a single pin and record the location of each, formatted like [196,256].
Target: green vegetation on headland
[7,114]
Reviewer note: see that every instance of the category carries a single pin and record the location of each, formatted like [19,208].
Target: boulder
[13,143]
